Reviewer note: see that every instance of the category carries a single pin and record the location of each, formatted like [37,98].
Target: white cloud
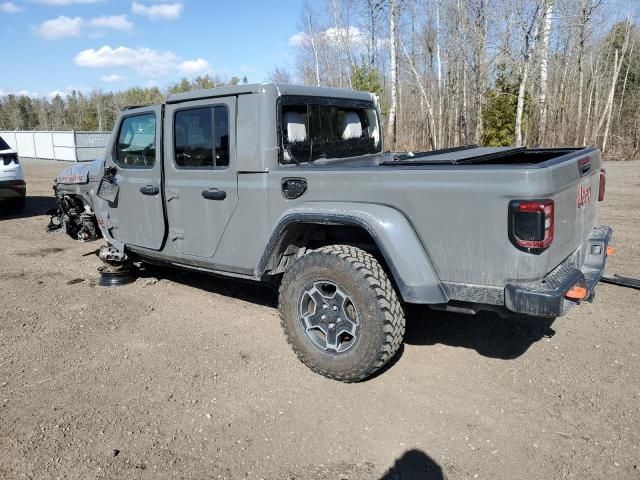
[298,39]
[144,61]
[65,2]
[112,78]
[17,93]
[194,67]
[60,27]
[160,11]
[29,93]
[352,34]
[114,22]
[9,7]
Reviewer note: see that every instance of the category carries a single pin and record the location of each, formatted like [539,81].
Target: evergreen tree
[499,114]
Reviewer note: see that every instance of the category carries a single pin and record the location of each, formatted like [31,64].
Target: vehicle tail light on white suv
[9,159]
[601,189]
[531,224]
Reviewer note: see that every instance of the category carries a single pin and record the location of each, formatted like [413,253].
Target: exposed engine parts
[75,217]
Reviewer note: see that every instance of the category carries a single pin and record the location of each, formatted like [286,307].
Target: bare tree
[615,72]
[439,66]
[531,36]
[280,75]
[373,9]
[393,45]
[544,62]
[311,35]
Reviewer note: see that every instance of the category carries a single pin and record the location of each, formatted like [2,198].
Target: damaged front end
[75,189]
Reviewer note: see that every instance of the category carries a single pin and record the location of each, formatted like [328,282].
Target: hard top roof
[278,89]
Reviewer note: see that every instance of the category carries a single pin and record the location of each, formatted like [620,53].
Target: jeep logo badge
[584,196]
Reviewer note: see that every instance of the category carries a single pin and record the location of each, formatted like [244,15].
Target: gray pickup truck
[292,184]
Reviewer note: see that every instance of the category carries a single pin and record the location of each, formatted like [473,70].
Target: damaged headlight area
[75,216]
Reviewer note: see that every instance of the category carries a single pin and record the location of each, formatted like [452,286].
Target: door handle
[149,190]
[214,194]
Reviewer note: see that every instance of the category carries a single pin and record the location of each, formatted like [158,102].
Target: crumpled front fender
[81,173]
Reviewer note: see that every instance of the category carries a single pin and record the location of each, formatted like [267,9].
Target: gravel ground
[185,376]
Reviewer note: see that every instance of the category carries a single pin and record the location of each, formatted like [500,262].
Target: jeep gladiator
[292,185]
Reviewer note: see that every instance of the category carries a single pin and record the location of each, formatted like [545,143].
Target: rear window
[202,137]
[4,145]
[313,128]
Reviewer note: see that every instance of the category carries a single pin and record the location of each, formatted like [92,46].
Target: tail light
[531,224]
[8,159]
[603,173]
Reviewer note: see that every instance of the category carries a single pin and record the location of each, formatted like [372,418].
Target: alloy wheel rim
[329,317]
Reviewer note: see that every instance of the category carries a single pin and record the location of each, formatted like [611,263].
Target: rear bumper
[12,189]
[546,298]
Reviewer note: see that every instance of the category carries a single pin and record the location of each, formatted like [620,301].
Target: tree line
[96,110]
[489,72]
[447,72]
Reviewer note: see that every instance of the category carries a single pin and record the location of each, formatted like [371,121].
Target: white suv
[13,188]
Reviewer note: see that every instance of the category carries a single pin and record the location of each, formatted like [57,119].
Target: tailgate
[575,183]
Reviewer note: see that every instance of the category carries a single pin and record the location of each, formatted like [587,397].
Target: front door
[137,217]
[201,187]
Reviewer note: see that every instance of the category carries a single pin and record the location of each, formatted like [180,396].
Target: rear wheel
[340,313]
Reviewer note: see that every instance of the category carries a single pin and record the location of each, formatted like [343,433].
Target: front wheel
[340,313]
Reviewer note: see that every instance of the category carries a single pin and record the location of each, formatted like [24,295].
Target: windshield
[313,128]
[4,145]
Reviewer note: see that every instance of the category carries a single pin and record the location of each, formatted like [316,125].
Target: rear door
[201,187]
[137,216]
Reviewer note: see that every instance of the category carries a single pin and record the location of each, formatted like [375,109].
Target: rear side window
[201,137]
[136,146]
[318,128]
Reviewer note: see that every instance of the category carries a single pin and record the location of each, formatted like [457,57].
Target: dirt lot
[185,376]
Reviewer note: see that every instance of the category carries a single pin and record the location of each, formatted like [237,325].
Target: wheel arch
[389,230]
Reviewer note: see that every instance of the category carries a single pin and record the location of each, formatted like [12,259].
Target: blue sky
[51,46]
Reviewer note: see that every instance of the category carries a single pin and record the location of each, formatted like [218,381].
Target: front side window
[201,137]
[136,146]
[323,128]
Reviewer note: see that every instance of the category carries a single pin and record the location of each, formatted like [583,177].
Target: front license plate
[108,191]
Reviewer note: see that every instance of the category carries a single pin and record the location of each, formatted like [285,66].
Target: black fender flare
[406,257]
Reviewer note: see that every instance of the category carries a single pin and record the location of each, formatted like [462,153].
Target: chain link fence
[70,146]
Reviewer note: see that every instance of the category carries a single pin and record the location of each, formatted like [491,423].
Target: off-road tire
[381,317]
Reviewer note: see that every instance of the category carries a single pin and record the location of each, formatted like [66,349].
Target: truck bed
[472,154]
[465,155]
[460,208]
